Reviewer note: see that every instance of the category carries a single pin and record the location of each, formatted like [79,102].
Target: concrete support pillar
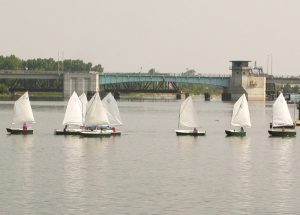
[80,82]
[243,80]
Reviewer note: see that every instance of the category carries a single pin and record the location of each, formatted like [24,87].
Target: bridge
[89,81]
[66,82]
[19,80]
[158,82]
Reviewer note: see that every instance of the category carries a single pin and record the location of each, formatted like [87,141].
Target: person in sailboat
[65,128]
[195,130]
[25,127]
[242,129]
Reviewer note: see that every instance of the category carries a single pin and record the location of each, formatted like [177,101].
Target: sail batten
[188,115]
[111,106]
[281,113]
[22,110]
[240,113]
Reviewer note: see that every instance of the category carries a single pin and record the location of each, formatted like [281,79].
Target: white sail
[84,102]
[22,110]
[96,113]
[73,114]
[111,106]
[240,114]
[281,113]
[188,115]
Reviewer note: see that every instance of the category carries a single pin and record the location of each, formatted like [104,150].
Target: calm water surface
[149,170]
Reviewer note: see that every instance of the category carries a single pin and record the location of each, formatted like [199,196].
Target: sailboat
[96,119]
[22,114]
[73,119]
[188,118]
[114,117]
[240,117]
[281,119]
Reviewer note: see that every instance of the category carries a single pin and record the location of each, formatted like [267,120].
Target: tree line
[14,63]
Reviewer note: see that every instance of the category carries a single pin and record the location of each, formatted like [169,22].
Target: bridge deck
[23,74]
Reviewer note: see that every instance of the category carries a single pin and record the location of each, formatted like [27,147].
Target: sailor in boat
[65,128]
[242,129]
[195,130]
[25,127]
[113,129]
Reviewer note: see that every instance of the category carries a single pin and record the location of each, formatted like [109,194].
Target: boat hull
[95,133]
[190,133]
[67,132]
[116,133]
[284,126]
[282,133]
[235,133]
[19,131]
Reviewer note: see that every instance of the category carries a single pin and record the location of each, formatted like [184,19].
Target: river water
[148,169]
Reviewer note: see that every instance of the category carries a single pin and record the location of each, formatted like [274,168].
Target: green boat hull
[235,133]
[281,133]
[62,132]
[19,131]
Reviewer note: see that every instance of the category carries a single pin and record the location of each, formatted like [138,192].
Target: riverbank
[58,96]
[34,96]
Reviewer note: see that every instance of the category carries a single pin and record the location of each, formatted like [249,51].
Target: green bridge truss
[157,82]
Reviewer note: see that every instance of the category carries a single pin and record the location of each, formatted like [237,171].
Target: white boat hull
[96,133]
[190,132]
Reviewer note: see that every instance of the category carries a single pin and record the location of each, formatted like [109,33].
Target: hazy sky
[168,35]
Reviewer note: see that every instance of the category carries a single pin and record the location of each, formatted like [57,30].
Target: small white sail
[188,115]
[84,102]
[281,113]
[96,113]
[73,114]
[240,114]
[111,106]
[22,110]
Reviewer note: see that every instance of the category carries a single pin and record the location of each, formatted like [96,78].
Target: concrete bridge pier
[80,82]
[243,80]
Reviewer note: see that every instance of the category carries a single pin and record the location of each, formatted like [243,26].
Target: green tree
[190,72]
[152,71]
[3,88]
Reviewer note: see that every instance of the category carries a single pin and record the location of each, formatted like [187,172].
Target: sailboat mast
[178,119]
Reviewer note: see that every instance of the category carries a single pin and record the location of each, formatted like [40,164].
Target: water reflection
[74,171]
[187,144]
[283,178]
[84,160]
[241,178]
[25,147]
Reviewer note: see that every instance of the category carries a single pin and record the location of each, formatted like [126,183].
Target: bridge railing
[286,76]
[167,74]
[23,72]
